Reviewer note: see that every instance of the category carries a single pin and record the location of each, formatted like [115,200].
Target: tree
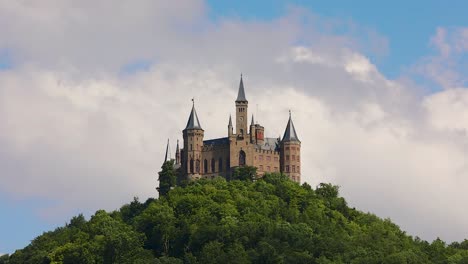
[245,173]
[167,178]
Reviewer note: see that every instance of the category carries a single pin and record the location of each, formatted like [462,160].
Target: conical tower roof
[241,92]
[290,132]
[193,122]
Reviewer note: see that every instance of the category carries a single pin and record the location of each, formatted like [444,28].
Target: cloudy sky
[91,90]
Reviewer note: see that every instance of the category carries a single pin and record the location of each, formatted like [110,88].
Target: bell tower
[241,111]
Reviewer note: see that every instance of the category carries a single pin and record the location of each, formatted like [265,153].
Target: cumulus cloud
[77,130]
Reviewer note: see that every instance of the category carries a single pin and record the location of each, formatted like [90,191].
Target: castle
[246,146]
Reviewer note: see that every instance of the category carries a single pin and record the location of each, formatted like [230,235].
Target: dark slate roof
[269,144]
[241,93]
[290,132]
[216,141]
[193,122]
[230,121]
[253,122]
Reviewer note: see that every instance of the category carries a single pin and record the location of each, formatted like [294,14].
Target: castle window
[287,148]
[298,158]
[213,165]
[260,157]
[268,168]
[205,165]
[287,157]
[220,164]
[242,131]
[241,158]
[191,165]
[287,168]
[293,157]
[276,169]
[260,167]
[268,158]
[293,168]
[298,169]
[197,166]
[276,158]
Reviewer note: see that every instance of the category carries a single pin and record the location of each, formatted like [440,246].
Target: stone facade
[246,146]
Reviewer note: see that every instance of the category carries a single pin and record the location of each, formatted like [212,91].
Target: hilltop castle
[246,146]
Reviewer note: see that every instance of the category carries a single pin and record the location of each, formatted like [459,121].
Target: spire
[167,151]
[177,148]
[253,122]
[193,122]
[241,93]
[290,132]
[230,121]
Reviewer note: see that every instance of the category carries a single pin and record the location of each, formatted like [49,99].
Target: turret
[291,152]
[241,111]
[168,150]
[177,154]
[230,129]
[193,143]
[252,131]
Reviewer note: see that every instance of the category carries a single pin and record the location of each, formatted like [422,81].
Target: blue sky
[408,27]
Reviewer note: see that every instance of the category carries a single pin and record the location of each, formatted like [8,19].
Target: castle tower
[193,143]
[241,111]
[291,152]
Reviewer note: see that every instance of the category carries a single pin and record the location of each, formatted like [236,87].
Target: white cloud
[80,133]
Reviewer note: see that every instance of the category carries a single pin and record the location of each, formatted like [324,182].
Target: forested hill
[272,220]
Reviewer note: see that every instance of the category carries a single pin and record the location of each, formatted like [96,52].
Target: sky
[91,90]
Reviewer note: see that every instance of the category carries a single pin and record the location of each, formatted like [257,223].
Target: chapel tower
[241,111]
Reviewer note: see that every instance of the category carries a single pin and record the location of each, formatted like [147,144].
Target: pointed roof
[253,122]
[290,132]
[230,121]
[177,148]
[193,122]
[241,93]
[167,151]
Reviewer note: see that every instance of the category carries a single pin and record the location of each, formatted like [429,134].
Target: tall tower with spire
[193,144]
[241,111]
[290,154]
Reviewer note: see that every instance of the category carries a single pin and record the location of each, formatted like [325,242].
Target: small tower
[193,143]
[241,111]
[177,154]
[291,152]
[168,154]
[230,129]
[252,131]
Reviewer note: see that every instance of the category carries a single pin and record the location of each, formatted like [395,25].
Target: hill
[271,220]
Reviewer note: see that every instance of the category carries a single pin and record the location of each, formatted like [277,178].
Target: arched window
[242,131]
[205,165]
[241,158]
[197,166]
[220,165]
[191,165]
[213,165]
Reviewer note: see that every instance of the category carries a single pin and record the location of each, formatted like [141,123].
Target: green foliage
[167,177]
[245,173]
[270,220]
